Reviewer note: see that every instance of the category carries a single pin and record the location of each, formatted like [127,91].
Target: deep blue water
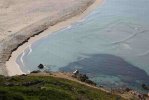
[110,45]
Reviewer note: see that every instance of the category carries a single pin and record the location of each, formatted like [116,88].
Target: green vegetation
[48,88]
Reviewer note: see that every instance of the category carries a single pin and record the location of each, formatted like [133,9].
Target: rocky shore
[10,40]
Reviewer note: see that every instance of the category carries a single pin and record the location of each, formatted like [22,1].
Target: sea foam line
[128,38]
[68,27]
[21,58]
[145,53]
[82,20]
[30,50]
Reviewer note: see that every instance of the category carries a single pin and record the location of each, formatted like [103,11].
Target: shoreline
[11,65]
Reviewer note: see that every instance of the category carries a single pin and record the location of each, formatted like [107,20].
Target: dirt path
[64,75]
[68,76]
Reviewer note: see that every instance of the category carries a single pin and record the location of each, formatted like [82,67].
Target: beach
[21,37]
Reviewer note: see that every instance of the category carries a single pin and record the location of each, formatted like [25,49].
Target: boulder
[41,66]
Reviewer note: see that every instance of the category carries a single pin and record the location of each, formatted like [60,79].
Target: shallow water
[110,45]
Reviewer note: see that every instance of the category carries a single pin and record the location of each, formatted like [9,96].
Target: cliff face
[20,20]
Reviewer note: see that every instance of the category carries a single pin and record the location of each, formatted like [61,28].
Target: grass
[49,88]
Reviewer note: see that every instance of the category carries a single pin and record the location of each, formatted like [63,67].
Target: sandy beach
[23,38]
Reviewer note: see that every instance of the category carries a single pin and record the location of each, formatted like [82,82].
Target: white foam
[69,27]
[30,50]
[28,71]
[126,46]
[82,20]
[21,58]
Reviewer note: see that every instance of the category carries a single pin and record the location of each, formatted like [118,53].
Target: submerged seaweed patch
[109,65]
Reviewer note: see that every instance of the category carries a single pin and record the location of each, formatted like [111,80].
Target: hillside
[43,87]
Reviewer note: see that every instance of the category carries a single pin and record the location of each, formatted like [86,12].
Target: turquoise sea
[110,45]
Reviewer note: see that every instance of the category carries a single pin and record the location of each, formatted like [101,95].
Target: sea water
[110,45]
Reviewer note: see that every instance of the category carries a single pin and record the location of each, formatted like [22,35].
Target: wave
[128,38]
[82,20]
[21,58]
[28,71]
[30,50]
[121,41]
[69,27]
[143,54]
